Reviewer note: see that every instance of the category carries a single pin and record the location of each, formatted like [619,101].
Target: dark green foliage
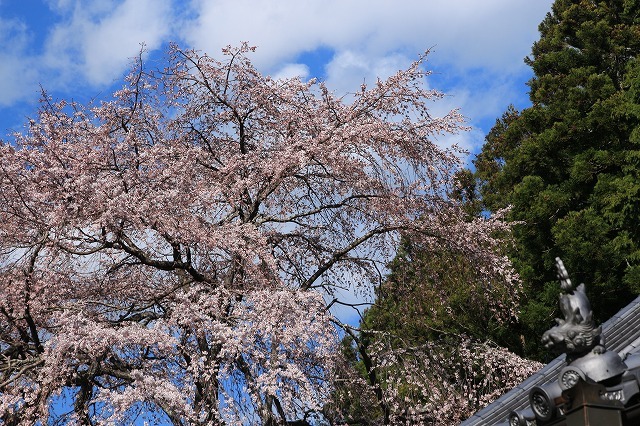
[413,343]
[569,165]
[427,342]
[433,291]
[430,294]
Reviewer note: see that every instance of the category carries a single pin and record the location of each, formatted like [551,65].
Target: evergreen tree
[568,165]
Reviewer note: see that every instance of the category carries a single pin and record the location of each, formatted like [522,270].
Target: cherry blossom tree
[169,255]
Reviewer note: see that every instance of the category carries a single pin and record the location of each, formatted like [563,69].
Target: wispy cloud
[478,46]
[471,33]
[18,70]
[293,71]
[98,39]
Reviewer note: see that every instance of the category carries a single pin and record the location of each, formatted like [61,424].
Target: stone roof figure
[575,334]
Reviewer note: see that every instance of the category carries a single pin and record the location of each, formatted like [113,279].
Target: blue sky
[80,49]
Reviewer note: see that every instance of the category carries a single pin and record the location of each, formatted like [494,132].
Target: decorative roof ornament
[596,386]
[576,334]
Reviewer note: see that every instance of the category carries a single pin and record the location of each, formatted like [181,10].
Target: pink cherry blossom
[167,254]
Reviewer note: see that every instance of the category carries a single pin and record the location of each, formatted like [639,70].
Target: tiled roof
[622,334]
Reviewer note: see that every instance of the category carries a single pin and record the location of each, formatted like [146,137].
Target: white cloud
[292,71]
[348,69]
[98,39]
[60,6]
[279,28]
[471,33]
[17,68]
